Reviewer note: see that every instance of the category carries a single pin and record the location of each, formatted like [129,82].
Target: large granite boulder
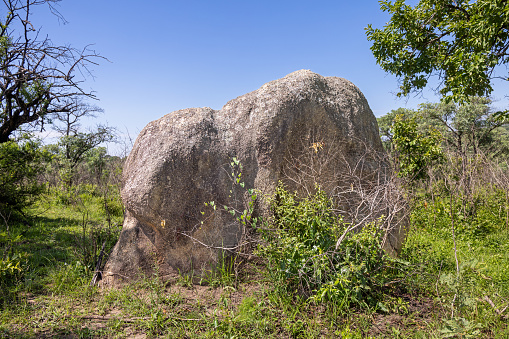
[182,160]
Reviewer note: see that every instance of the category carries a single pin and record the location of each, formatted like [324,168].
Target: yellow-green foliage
[305,257]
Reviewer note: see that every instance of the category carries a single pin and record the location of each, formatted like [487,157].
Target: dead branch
[37,77]
[499,312]
[133,319]
[98,275]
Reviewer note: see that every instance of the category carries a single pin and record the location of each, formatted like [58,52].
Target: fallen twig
[499,312]
[134,319]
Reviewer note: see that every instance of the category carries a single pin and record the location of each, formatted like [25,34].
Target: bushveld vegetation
[310,274]
[315,270]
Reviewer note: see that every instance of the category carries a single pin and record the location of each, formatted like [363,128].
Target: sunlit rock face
[181,160]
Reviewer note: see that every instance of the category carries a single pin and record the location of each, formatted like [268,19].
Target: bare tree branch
[37,78]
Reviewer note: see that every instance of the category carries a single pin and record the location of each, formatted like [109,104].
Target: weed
[185,280]
[460,328]
[248,310]
[222,274]
[71,277]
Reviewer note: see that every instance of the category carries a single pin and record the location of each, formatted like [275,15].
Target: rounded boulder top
[181,161]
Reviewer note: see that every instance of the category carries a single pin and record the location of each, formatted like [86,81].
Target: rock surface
[182,160]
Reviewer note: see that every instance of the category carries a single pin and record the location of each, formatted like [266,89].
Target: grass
[53,297]
[482,286]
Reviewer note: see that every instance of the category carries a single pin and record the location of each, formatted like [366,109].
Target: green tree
[385,123]
[468,128]
[460,41]
[415,151]
[74,144]
[74,150]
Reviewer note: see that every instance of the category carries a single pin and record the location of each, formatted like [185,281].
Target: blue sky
[168,55]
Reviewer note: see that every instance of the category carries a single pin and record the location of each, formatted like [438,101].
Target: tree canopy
[467,128]
[460,41]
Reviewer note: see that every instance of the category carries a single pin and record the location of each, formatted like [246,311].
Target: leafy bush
[416,152]
[306,255]
[12,262]
[20,163]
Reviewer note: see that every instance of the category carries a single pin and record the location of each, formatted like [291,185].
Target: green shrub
[12,262]
[303,258]
[20,163]
[415,151]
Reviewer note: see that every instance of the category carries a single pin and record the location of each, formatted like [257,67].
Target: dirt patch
[417,315]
